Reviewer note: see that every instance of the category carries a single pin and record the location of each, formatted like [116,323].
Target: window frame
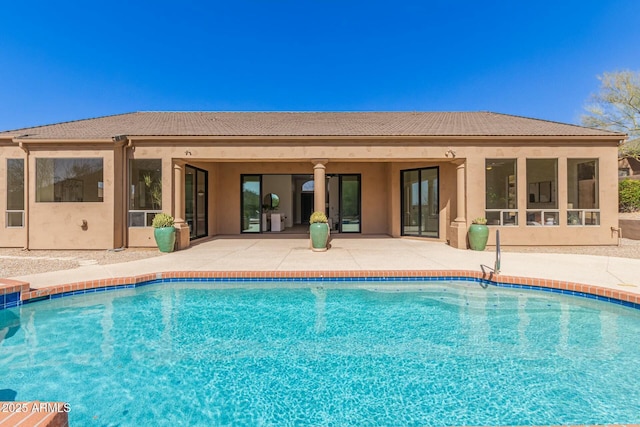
[147,214]
[74,185]
[549,215]
[420,233]
[507,211]
[578,214]
[10,183]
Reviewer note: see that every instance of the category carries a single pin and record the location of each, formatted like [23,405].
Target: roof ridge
[308,111]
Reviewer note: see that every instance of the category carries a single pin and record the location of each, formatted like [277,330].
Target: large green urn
[478,236]
[319,231]
[165,238]
[319,236]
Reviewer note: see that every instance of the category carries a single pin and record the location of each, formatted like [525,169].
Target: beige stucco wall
[630,228]
[373,184]
[379,161]
[58,225]
[119,198]
[552,235]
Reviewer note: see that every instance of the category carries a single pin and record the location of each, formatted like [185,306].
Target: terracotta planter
[478,236]
[319,232]
[165,238]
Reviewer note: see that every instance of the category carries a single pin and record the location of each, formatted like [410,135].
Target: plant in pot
[319,231]
[164,232]
[153,187]
[478,234]
[573,218]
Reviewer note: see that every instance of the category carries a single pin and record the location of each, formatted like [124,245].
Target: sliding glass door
[350,204]
[196,196]
[420,211]
[251,205]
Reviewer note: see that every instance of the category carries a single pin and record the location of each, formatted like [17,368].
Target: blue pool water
[328,354]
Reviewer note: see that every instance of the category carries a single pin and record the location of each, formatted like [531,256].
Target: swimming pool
[326,353]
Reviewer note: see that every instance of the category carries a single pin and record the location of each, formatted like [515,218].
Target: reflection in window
[350,204]
[145,191]
[501,196]
[582,192]
[251,209]
[15,193]
[69,180]
[542,190]
[196,198]
[271,202]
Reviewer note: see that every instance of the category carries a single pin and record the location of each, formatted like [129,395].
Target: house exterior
[97,183]
[628,161]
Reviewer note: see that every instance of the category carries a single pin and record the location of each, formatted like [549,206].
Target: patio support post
[458,228]
[461,194]
[319,185]
[182,228]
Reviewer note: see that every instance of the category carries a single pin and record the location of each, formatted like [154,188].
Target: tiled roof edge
[11,131]
[557,123]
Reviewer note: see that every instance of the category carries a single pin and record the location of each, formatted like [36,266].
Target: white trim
[6,219]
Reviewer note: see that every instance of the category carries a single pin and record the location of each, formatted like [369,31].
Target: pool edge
[14,293]
[28,295]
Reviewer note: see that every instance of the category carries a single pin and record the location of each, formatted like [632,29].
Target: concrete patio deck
[353,254]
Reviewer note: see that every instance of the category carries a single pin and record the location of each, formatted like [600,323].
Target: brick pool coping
[32,414]
[26,294]
[14,293]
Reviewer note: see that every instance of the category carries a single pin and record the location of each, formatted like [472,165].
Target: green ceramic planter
[319,236]
[478,236]
[165,238]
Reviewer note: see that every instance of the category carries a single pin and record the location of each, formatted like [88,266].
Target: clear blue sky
[68,60]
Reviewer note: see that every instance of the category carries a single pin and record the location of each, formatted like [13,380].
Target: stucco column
[458,228]
[319,185]
[182,228]
[461,194]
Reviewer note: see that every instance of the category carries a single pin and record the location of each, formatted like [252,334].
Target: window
[196,200]
[15,193]
[501,192]
[542,190]
[69,180]
[349,203]
[145,191]
[582,192]
[251,204]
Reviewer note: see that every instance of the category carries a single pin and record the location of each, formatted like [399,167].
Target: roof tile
[305,124]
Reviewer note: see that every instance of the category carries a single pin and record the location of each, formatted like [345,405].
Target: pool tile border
[14,293]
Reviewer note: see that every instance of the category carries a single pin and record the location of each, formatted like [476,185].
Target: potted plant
[164,232]
[573,218]
[154,189]
[478,234]
[319,231]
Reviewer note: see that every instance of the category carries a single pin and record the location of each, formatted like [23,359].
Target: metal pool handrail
[496,265]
